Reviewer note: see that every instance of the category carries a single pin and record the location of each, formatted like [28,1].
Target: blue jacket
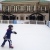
[8,33]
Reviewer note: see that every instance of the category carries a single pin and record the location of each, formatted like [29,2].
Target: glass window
[12,8]
[21,18]
[32,8]
[17,18]
[26,18]
[22,8]
[42,8]
[6,8]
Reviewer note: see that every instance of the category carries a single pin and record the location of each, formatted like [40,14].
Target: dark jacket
[8,33]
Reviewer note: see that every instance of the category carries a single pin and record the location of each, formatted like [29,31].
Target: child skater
[7,36]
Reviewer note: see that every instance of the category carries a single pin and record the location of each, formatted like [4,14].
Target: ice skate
[11,47]
[2,46]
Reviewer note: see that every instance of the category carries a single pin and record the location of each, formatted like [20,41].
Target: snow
[29,37]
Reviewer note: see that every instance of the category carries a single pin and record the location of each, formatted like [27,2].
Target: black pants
[10,42]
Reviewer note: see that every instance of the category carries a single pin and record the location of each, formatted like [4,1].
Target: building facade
[22,10]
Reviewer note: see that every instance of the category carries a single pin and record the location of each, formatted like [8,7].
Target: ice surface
[29,37]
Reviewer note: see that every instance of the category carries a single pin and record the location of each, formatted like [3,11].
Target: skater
[7,36]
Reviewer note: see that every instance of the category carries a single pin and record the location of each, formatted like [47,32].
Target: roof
[21,0]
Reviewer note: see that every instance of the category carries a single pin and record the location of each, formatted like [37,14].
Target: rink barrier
[48,23]
[21,22]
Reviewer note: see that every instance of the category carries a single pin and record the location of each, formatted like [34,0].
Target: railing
[21,22]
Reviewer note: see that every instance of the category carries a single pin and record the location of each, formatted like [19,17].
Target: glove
[4,37]
[15,32]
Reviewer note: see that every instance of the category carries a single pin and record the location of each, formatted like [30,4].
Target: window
[21,18]
[25,8]
[32,8]
[42,8]
[17,18]
[26,18]
[6,8]
[22,8]
[12,8]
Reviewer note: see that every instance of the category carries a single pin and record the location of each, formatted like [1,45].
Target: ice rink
[29,37]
